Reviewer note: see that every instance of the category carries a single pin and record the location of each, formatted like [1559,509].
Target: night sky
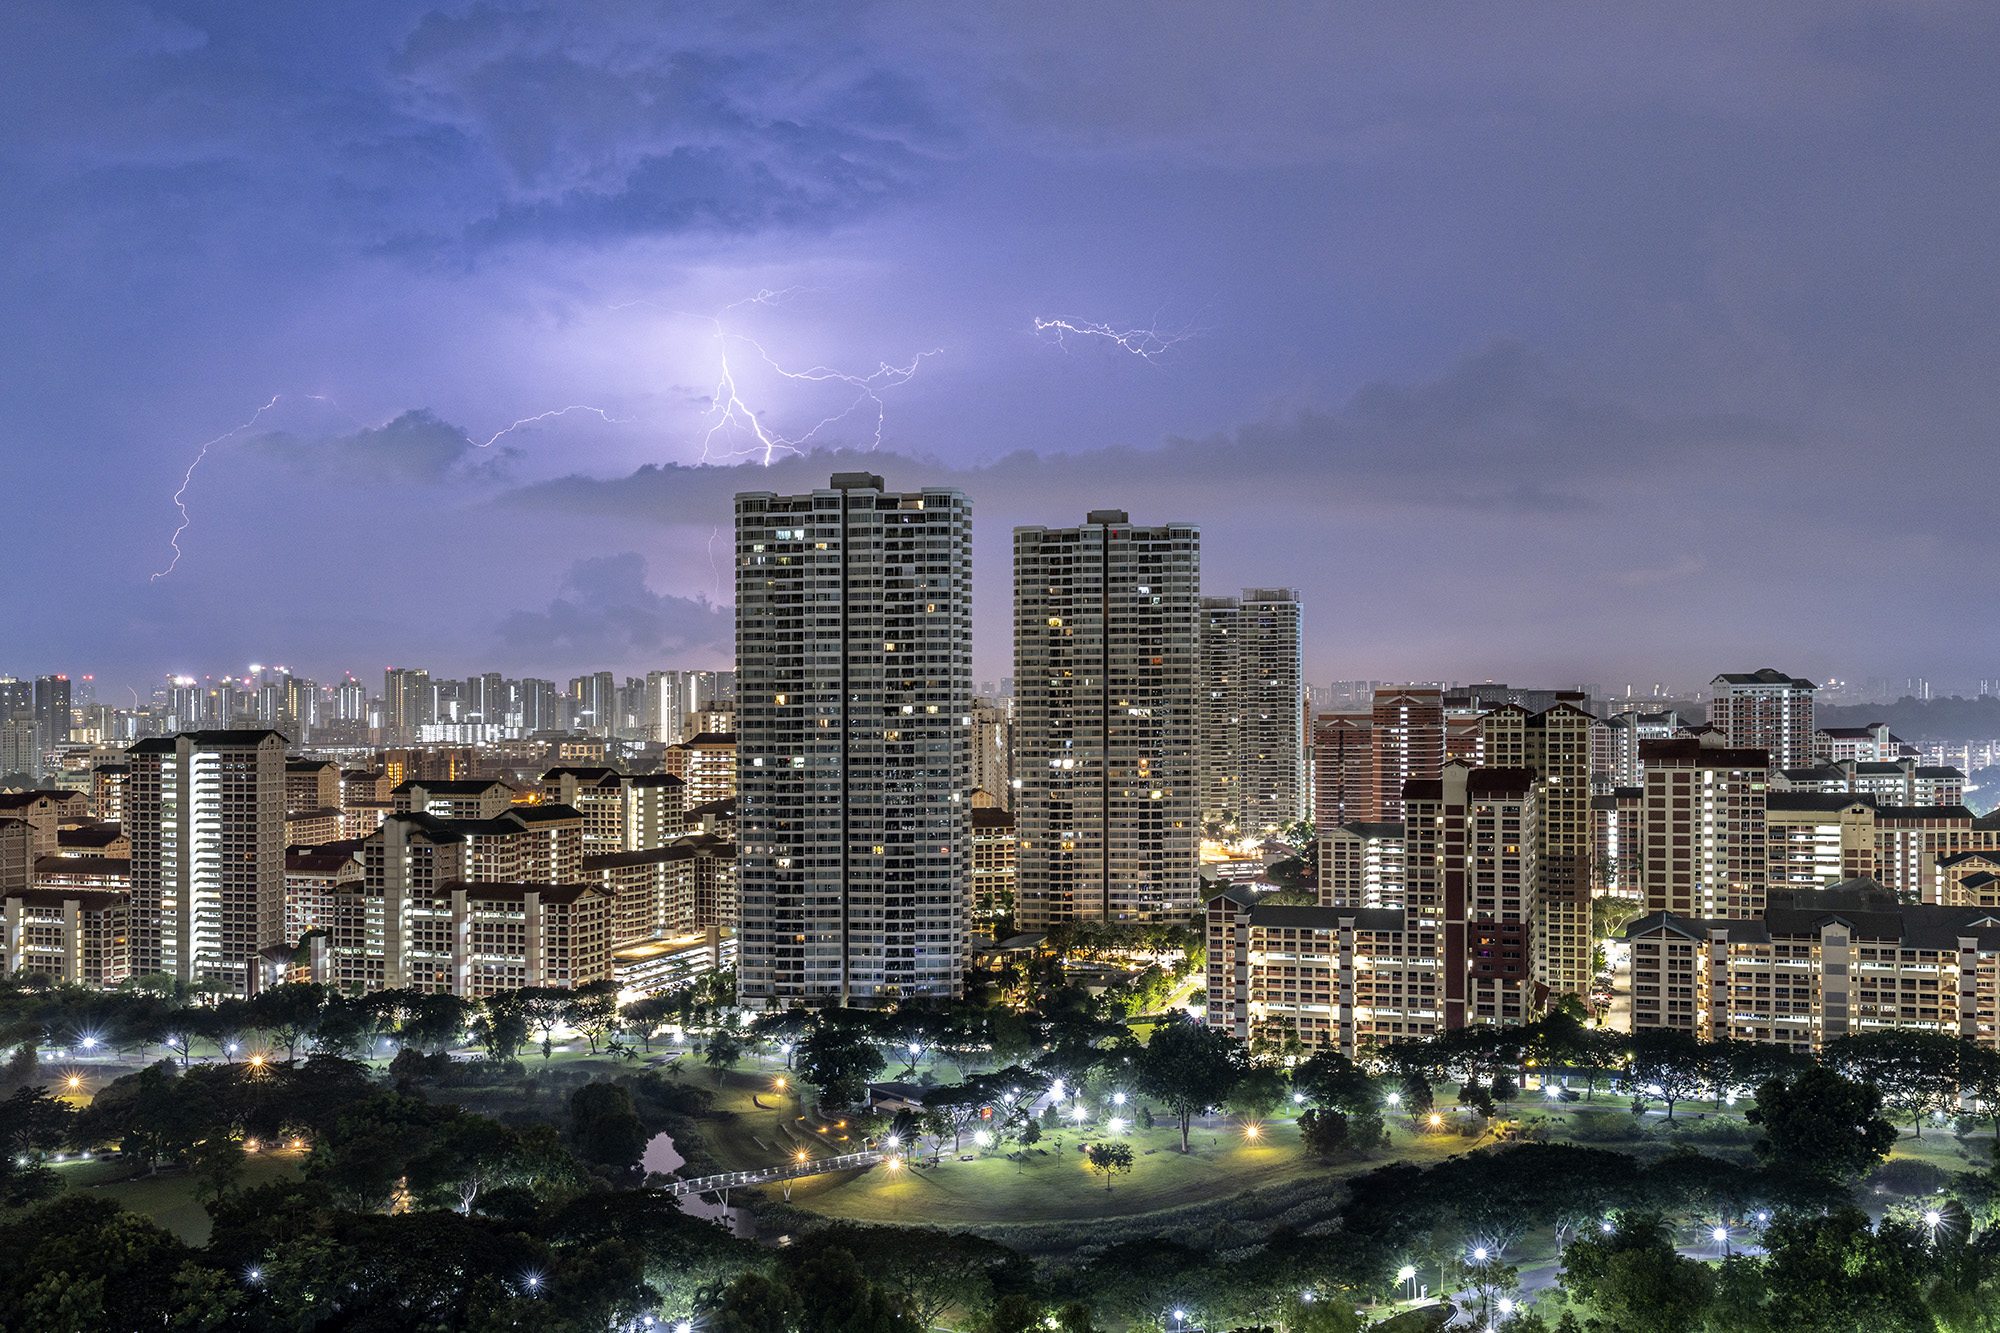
[1543,342]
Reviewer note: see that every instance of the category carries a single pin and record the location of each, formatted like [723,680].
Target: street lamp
[1408,1274]
[1250,1132]
[1721,1235]
[1394,1099]
[1117,1099]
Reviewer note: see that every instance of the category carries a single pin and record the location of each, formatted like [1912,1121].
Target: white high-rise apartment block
[1106,637]
[205,812]
[854,721]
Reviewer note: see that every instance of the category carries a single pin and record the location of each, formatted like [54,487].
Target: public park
[1079,1161]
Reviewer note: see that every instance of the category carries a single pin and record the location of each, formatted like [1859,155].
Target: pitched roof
[1827,801]
[1361,828]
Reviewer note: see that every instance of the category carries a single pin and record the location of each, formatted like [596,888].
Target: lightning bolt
[180,501]
[731,419]
[544,416]
[1145,342]
[731,414]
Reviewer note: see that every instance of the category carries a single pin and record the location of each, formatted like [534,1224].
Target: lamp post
[1407,1275]
[1721,1235]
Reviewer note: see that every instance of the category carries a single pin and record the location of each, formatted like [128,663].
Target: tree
[469,1155]
[1190,1068]
[605,1126]
[1108,1160]
[544,1010]
[1917,1071]
[753,1303]
[1260,1091]
[1322,1131]
[1330,1079]
[216,1162]
[724,1050]
[502,1026]
[32,1122]
[1834,1272]
[592,1010]
[1821,1124]
[1667,1063]
[838,1059]
[833,1295]
[1636,1279]
[287,1014]
[80,1262]
[423,1020]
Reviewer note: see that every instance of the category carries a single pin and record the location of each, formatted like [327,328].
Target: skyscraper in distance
[853,690]
[1106,641]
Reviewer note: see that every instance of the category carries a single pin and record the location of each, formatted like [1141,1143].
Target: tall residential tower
[854,735]
[1106,637]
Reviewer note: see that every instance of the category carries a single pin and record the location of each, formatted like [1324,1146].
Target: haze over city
[1674,335]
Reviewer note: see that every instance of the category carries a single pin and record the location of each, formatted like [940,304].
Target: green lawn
[168,1198]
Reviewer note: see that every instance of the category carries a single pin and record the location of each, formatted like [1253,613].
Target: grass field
[168,1198]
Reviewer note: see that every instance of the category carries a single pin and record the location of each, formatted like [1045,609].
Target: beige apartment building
[1326,977]
[1818,964]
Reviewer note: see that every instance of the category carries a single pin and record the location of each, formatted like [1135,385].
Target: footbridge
[811,1166]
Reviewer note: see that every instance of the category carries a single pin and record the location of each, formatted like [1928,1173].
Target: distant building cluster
[846,819]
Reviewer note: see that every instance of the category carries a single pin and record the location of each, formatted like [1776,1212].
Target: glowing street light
[1436,1120]
[1479,1255]
[1250,1132]
[1117,1099]
[983,1139]
[1394,1099]
[1932,1217]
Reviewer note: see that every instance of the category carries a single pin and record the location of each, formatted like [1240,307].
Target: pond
[663,1157]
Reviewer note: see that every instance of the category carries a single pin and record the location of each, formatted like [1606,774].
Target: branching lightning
[1145,342]
[544,416]
[180,501]
[730,414]
[180,496]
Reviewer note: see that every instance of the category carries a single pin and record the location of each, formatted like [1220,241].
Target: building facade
[1704,816]
[854,708]
[1252,710]
[1817,965]
[1106,722]
[205,812]
[1765,710]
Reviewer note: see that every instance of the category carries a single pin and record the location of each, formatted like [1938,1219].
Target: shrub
[1907,1176]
